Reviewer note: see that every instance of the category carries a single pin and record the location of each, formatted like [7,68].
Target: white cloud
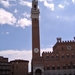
[23,54]
[26,15]
[73,1]
[61,6]
[15,11]
[68,19]
[57,16]
[5,3]
[16,54]
[6,17]
[26,3]
[23,22]
[41,0]
[49,5]
[29,4]
[66,2]
[7,32]
[45,0]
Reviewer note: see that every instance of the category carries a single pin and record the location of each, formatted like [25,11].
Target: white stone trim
[38,67]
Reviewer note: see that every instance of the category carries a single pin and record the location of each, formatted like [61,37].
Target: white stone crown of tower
[35,10]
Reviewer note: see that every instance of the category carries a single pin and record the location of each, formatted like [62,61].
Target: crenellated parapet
[59,40]
[62,45]
[47,52]
[68,41]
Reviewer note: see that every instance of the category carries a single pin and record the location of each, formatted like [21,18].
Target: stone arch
[70,73]
[38,72]
[64,73]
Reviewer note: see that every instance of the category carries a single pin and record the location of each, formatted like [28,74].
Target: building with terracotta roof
[4,66]
[19,67]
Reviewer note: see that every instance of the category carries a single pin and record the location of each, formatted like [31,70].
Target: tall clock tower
[35,30]
[37,68]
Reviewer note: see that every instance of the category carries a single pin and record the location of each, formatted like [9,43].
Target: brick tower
[59,62]
[36,68]
[35,30]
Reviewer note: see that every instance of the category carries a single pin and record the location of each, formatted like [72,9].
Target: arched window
[74,66]
[48,68]
[72,56]
[69,67]
[57,57]
[68,56]
[58,67]
[52,57]
[47,57]
[64,67]
[63,56]
[53,67]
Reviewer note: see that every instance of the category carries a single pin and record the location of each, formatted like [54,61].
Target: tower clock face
[69,47]
[36,50]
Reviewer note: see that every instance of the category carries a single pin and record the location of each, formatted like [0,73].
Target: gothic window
[73,66]
[58,67]
[57,57]
[64,67]
[72,56]
[47,57]
[63,56]
[69,67]
[52,57]
[68,56]
[53,68]
[48,68]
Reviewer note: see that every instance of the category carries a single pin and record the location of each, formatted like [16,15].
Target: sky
[57,19]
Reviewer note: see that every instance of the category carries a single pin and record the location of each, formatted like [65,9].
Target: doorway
[38,72]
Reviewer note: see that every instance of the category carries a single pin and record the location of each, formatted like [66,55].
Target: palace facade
[59,62]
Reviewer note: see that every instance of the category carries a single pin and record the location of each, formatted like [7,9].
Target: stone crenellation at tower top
[59,40]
